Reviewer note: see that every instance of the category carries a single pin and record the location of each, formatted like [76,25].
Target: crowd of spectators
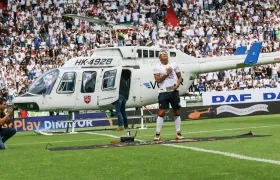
[35,37]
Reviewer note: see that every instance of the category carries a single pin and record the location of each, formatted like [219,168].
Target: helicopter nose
[31,106]
[23,103]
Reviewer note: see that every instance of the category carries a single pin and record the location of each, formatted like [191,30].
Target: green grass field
[27,159]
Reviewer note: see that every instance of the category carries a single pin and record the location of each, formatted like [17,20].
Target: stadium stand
[35,37]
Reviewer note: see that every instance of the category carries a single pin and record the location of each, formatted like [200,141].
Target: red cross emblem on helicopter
[87,99]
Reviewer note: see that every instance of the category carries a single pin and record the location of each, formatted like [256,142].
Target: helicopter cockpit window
[67,83]
[109,79]
[44,84]
[88,82]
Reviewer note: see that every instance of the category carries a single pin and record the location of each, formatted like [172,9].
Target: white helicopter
[92,83]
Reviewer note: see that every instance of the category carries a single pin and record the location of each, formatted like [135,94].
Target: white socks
[159,124]
[177,120]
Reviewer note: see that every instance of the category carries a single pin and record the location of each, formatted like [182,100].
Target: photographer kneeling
[5,133]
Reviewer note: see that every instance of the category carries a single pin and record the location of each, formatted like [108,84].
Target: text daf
[231,98]
[271,96]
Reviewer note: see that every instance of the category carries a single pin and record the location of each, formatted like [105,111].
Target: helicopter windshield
[45,83]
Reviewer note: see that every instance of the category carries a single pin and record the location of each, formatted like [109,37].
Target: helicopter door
[109,86]
[88,89]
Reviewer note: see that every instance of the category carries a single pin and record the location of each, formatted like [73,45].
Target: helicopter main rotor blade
[89,19]
[98,21]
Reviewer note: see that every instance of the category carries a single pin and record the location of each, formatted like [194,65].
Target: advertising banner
[241,96]
[232,110]
[53,122]
[215,111]
[187,113]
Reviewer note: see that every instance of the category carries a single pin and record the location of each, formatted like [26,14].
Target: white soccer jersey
[172,77]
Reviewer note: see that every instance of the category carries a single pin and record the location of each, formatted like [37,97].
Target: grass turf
[26,157]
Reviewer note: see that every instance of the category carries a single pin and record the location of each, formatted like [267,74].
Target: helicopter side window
[67,83]
[109,79]
[139,52]
[157,53]
[172,54]
[88,82]
[145,53]
[152,54]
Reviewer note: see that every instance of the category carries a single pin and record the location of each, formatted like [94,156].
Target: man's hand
[10,111]
[9,121]
[169,70]
[179,81]
[176,86]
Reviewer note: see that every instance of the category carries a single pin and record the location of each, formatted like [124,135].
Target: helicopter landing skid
[40,132]
[72,122]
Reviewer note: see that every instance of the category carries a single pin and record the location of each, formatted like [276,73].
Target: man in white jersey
[168,77]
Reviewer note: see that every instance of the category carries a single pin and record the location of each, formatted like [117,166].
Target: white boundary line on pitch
[94,139]
[228,154]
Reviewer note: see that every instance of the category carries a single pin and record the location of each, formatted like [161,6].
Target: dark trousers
[120,110]
[5,134]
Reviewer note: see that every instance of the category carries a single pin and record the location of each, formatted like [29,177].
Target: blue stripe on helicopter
[240,50]
[253,54]
[147,85]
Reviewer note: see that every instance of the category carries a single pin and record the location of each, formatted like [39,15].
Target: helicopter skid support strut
[142,143]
